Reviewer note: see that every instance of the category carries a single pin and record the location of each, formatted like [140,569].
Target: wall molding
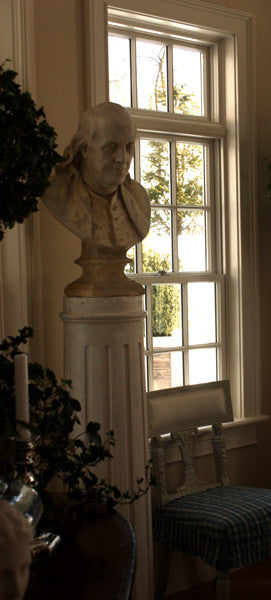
[20,268]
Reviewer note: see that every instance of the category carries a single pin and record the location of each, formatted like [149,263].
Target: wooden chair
[226,526]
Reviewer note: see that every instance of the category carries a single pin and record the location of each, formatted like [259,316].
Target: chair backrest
[175,416]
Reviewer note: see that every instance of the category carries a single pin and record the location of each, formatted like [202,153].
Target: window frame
[235,32]
[210,208]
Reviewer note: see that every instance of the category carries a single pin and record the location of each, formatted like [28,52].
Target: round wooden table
[92,562]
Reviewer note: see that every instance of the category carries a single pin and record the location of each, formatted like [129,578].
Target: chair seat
[227,527]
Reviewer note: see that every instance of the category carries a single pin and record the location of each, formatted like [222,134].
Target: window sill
[239,433]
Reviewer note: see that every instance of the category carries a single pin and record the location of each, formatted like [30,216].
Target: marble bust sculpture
[92,194]
[15,552]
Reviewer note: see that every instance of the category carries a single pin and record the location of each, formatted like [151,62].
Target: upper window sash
[209,124]
[159,59]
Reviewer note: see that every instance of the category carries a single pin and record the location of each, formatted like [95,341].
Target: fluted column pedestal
[104,358]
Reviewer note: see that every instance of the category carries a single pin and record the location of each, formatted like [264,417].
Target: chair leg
[222,585]
[164,560]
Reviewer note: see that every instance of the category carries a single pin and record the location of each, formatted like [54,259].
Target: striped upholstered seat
[226,526]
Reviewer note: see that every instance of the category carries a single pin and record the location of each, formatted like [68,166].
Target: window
[179,261]
[221,131]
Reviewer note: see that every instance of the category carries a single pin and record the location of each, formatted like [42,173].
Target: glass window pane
[167,370]
[202,365]
[119,70]
[187,81]
[177,369]
[151,59]
[155,170]
[166,315]
[132,168]
[191,240]
[131,266]
[156,247]
[190,174]
[201,313]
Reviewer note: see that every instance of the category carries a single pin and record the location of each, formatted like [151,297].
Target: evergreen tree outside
[155,175]
[165,298]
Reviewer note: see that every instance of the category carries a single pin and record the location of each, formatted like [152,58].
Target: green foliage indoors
[58,452]
[27,152]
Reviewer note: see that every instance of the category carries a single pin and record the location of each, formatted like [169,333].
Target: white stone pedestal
[104,358]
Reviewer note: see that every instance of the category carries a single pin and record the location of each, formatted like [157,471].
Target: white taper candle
[21,393]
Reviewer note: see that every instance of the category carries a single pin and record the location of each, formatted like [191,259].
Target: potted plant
[27,152]
[83,513]
[57,451]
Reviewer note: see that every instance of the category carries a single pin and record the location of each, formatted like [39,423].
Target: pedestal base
[103,274]
[104,281]
[104,358]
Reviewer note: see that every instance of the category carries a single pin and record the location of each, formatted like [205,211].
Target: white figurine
[15,552]
[91,192]
[93,195]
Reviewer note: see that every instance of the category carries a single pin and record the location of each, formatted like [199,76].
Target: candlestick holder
[24,462]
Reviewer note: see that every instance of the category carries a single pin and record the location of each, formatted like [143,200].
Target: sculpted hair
[72,153]
[88,125]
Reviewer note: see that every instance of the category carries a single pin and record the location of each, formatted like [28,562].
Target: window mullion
[185,332]
[220,330]
[138,248]
[133,71]
[149,340]
[210,213]
[173,190]
[216,214]
[170,78]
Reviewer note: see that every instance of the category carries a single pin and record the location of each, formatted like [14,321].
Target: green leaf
[57,454]
[27,152]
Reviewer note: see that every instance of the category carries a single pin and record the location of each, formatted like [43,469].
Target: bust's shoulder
[63,190]
[136,201]
[136,190]
[59,181]
[69,205]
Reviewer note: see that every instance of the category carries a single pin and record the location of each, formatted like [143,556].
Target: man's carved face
[107,160]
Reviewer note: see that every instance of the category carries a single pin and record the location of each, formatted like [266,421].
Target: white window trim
[242,295]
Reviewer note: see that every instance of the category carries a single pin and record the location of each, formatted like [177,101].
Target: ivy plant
[58,452]
[27,152]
